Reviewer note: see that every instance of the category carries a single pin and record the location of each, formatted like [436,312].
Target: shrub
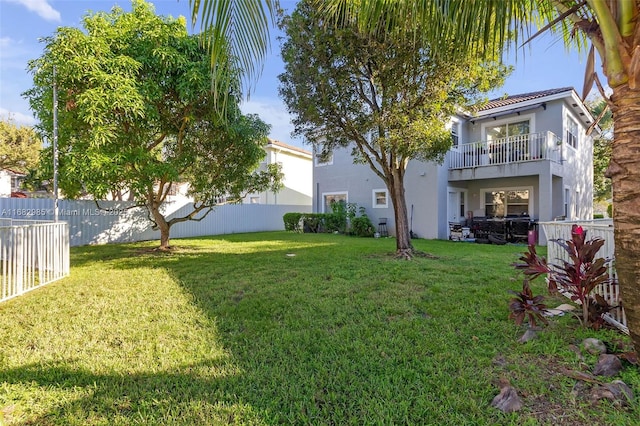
[598,216]
[525,304]
[577,277]
[313,222]
[337,220]
[610,210]
[292,221]
[361,226]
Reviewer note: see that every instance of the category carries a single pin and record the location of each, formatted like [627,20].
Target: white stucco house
[10,182]
[524,155]
[297,168]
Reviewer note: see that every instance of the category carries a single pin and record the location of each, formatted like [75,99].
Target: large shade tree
[389,99]
[137,114]
[613,30]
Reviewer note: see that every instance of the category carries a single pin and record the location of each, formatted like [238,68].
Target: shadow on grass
[154,398]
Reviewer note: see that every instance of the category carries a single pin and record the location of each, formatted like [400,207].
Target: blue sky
[545,64]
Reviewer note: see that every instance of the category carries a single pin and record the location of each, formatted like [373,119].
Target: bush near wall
[308,222]
[314,222]
[292,222]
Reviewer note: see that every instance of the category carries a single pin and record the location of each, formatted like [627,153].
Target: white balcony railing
[512,149]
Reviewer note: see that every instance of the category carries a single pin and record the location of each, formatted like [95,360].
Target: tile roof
[515,99]
[291,147]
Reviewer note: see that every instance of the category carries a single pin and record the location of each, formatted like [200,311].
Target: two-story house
[525,155]
[296,167]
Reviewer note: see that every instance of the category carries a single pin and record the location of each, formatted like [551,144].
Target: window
[502,203]
[323,159]
[333,197]
[572,132]
[508,129]
[567,203]
[455,133]
[380,199]
[254,200]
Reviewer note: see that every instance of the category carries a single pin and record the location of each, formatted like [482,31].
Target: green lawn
[231,330]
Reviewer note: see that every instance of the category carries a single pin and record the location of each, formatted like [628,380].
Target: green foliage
[525,304]
[314,222]
[336,221]
[389,98]
[576,277]
[19,146]
[292,222]
[610,210]
[602,150]
[361,225]
[137,114]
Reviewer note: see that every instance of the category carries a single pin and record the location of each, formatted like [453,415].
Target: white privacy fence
[32,254]
[595,228]
[117,222]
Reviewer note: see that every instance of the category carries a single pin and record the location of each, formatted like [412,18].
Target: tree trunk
[624,171]
[404,248]
[161,223]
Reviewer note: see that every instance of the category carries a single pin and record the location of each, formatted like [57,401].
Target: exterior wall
[357,181]
[5,184]
[424,190]
[579,167]
[298,177]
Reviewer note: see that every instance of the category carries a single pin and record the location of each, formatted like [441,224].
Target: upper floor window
[572,132]
[508,129]
[322,159]
[455,133]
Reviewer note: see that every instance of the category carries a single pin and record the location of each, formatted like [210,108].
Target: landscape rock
[507,400]
[617,392]
[608,365]
[594,346]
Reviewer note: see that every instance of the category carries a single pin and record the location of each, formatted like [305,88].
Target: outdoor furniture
[455,231]
[519,230]
[382,227]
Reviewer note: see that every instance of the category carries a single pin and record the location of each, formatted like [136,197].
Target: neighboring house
[10,182]
[520,156]
[297,168]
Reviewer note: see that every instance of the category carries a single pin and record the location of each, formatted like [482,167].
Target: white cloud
[42,8]
[17,117]
[5,42]
[273,112]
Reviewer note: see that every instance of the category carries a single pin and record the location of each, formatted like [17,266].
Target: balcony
[509,150]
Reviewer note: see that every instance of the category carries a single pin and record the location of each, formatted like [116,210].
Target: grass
[230,330]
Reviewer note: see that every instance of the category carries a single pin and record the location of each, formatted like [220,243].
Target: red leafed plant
[525,304]
[576,277]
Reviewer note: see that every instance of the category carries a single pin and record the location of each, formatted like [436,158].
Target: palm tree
[236,32]
[612,28]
